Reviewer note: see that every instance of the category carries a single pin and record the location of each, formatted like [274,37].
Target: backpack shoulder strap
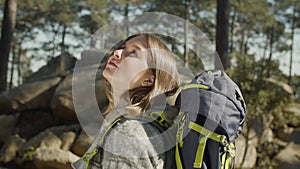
[156,119]
[86,158]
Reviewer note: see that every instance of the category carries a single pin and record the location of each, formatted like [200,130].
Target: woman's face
[127,68]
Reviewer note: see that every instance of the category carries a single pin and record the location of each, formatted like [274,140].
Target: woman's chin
[107,75]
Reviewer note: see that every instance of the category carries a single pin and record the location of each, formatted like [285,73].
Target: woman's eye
[133,53]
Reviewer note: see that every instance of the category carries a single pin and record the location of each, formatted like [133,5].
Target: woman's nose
[118,54]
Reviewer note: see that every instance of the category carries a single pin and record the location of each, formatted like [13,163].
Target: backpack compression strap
[190,86]
[229,148]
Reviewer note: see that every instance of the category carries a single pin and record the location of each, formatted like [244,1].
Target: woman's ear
[148,81]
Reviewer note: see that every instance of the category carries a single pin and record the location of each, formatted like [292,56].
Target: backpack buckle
[230,149]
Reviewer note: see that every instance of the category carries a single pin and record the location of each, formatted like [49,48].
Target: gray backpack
[212,114]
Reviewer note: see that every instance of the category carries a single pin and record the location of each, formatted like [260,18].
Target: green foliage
[262,95]
[28,155]
[267,151]
[255,24]
[296,84]
[92,15]
[290,118]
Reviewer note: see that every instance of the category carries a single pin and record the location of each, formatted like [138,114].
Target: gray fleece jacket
[132,144]
[128,146]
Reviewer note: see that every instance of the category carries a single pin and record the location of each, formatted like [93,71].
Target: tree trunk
[264,60]
[266,46]
[242,44]
[63,39]
[126,11]
[291,47]
[186,30]
[92,42]
[222,32]
[20,78]
[271,43]
[271,50]
[232,29]
[55,31]
[8,25]
[243,51]
[12,69]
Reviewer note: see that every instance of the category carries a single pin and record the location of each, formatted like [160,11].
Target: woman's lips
[113,64]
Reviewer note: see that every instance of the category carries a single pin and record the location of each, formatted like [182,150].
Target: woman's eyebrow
[134,46]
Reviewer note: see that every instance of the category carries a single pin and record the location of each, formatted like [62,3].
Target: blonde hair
[162,64]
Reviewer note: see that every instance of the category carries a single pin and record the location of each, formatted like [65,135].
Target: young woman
[136,73]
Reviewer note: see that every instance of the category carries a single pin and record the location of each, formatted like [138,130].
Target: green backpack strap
[157,116]
[180,121]
[199,86]
[228,156]
[160,118]
[201,147]
[229,148]
[86,158]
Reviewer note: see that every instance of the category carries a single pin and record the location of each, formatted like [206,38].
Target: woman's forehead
[137,42]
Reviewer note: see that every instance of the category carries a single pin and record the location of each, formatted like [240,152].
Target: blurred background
[257,41]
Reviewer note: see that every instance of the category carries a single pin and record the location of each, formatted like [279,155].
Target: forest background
[257,41]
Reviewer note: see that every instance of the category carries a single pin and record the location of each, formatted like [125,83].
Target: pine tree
[8,26]
[222,32]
